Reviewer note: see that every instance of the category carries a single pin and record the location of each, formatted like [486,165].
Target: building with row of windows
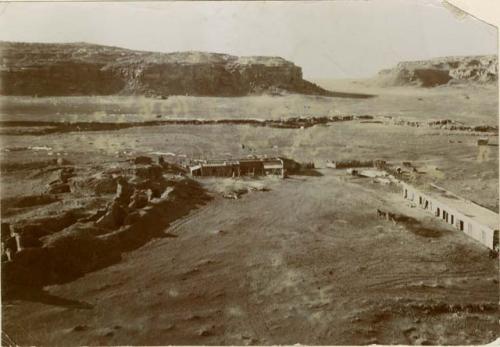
[476,221]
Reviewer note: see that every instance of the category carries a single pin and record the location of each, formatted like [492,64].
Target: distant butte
[441,71]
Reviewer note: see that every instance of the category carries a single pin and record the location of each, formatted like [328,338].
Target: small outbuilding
[483,141]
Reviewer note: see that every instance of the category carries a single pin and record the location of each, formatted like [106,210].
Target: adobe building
[478,222]
[240,167]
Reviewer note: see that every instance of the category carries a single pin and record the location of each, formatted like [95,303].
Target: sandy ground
[306,262]
[468,104]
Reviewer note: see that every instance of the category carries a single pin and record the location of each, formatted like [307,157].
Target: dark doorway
[461,225]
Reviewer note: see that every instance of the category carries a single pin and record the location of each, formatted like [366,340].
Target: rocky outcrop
[85,69]
[440,71]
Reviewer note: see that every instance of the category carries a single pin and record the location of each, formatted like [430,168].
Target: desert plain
[297,260]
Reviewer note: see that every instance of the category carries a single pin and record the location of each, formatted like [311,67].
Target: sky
[328,39]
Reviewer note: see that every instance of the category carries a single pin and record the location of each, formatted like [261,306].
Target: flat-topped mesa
[86,69]
[440,71]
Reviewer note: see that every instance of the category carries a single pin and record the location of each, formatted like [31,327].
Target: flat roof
[223,162]
[273,166]
[466,207]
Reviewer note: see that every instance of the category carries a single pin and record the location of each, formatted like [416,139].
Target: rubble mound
[44,69]
[441,71]
[115,210]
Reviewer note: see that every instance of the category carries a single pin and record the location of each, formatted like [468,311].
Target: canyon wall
[85,69]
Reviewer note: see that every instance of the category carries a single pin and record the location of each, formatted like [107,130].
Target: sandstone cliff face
[84,69]
[439,71]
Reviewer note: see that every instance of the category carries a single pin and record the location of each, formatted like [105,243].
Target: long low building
[476,221]
[240,167]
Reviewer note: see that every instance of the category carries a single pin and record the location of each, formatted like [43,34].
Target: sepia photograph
[248,173]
